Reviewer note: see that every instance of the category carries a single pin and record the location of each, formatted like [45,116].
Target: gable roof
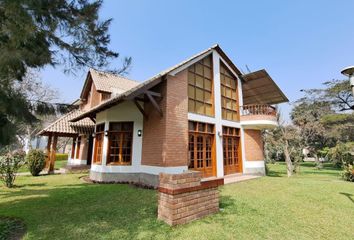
[140,88]
[107,82]
[62,126]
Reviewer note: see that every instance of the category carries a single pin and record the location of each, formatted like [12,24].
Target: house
[202,114]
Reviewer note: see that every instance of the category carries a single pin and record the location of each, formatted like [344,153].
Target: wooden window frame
[226,73]
[192,84]
[99,134]
[206,133]
[121,144]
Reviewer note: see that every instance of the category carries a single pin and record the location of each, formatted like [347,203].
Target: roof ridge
[112,74]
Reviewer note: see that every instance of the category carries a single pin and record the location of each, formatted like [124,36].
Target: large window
[229,96]
[97,155]
[201,148]
[200,87]
[120,140]
[231,150]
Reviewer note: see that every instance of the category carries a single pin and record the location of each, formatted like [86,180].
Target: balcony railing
[257,109]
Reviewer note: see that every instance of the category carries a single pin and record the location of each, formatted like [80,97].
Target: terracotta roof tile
[64,126]
[107,82]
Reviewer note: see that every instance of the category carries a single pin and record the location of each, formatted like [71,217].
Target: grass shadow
[348,195]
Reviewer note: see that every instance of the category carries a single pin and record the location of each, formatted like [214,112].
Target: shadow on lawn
[86,211]
[349,196]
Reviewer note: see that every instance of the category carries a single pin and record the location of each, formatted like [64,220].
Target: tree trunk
[289,165]
[317,160]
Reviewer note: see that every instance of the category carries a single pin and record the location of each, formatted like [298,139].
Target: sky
[300,43]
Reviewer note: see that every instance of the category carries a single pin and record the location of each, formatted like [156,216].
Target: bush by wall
[36,161]
[10,163]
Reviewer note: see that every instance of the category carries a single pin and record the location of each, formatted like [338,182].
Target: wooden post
[52,155]
[47,160]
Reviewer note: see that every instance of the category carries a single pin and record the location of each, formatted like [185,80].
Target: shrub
[10,162]
[36,161]
[341,154]
[61,157]
[348,173]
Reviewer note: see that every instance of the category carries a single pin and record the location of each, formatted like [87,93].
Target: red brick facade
[165,138]
[184,198]
[253,145]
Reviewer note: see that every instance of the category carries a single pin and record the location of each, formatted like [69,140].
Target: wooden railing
[257,109]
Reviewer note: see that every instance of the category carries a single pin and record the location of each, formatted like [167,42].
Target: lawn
[57,165]
[315,204]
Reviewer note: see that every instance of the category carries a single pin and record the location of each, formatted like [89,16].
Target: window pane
[207,84]
[207,72]
[191,93]
[228,103]
[208,110]
[207,97]
[199,94]
[228,114]
[199,68]
[199,107]
[191,105]
[207,61]
[199,81]
[191,68]
[228,92]
[233,83]
[234,94]
[191,78]
[115,126]
[210,128]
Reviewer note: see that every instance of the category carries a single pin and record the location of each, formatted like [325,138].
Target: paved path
[60,171]
[238,178]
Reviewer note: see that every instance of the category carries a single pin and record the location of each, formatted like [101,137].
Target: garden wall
[184,197]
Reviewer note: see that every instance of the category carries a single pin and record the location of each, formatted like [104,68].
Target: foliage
[336,93]
[35,160]
[10,162]
[34,34]
[61,157]
[341,154]
[348,173]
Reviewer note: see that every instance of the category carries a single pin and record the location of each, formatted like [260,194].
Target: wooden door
[201,149]
[232,151]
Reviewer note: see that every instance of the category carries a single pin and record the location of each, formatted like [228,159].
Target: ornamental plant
[36,161]
[10,162]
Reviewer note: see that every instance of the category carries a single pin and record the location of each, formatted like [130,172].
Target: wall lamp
[140,133]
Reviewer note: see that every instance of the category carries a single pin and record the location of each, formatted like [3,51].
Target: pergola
[62,127]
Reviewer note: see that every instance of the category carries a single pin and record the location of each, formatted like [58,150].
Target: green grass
[315,204]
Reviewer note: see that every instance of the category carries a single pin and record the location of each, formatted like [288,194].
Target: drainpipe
[349,72]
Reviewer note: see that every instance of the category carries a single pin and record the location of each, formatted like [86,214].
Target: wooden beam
[140,108]
[154,103]
[92,119]
[155,94]
[49,143]
[52,155]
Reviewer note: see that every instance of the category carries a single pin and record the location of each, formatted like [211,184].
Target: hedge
[61,156]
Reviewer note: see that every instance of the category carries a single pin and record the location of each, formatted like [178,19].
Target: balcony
[258,116]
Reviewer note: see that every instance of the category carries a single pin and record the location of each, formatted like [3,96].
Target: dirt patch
[12,228]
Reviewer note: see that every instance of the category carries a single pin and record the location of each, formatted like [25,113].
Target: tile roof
[111,83]
[65,127]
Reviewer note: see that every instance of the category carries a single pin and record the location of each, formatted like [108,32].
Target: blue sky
[300,43]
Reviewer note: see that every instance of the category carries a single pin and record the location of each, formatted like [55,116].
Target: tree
[337,94]
[307,116]
[284,140]
[34,34]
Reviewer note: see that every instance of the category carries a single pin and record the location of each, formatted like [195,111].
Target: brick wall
[83,148]
[165,138]
[183,197]
[253,145]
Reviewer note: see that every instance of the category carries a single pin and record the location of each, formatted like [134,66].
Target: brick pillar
[183,197]
[52,155]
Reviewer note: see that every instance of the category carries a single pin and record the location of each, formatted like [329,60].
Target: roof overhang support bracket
[93,119]
[150,95]
[140,108]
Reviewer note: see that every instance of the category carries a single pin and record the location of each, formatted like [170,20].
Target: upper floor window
[200,87]
[229,94]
